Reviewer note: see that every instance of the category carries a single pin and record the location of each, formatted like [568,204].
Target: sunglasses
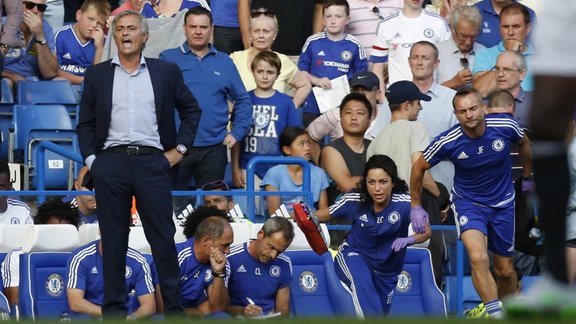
[464,62]
[376,11]
[260,12]
[216,185]
[30,5]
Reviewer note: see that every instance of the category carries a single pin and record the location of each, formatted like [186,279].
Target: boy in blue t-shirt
[272,111]
[330,53]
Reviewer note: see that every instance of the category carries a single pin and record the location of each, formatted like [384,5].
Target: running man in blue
[202,260]
[85,287]
[260,275]
[372,256]
[483,193]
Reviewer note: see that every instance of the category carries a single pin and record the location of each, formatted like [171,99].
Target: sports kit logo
[498,145]
[463,220]
[404,281]
[346,55]
[394,217]
[128,272]
[275,271]
[429,33]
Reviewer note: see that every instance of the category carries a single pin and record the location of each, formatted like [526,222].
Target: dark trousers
[117,177]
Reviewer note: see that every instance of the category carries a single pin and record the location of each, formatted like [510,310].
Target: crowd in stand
[251,66]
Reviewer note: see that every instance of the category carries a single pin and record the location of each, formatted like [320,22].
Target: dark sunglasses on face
[260,12]
[30,5]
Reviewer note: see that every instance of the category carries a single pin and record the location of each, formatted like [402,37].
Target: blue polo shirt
[490,31]
[486,60]
[213,80]
[24,61]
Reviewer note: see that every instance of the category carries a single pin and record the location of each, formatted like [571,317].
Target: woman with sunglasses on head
[372,256]
[263,31]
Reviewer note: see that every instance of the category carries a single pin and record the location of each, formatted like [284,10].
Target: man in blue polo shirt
[490,11]
[213,78]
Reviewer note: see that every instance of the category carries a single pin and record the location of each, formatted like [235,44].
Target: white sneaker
[547,297]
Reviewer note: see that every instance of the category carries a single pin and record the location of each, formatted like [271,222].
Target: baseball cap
[403,91]
[366,79]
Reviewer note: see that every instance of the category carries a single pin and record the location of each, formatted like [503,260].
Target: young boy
[330,54]
[80,45]
[272,111]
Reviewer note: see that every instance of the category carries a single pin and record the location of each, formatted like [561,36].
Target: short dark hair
[426,43]
[198,11]
[56,208]
[356,96]
[464,92]
[385,163]
[268,57]
[197,222]
[515,8]
[289,135]
[279,224]
[330,3]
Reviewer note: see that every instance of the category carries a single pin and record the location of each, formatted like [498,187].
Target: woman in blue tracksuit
[372,256]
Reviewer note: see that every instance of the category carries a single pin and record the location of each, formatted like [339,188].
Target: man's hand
[324,83]
[217,260]
[229,141]
[252,310]
[34,23]
[173,156]
[402,242]
[463,77]
[513,45]
[419,219]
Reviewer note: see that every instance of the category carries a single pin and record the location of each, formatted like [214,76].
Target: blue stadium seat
[46,92]
[7,94]
[416,292]
[42,285]
[315,290]
[34,123]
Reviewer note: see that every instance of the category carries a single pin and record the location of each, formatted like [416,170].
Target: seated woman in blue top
[294,141]
[169,8]
[372,256]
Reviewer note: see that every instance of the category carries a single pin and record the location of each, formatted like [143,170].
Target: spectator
[491,11]
[203,263]
[330,54]
[37,59]
[224,203]
[514,27]
[85,283]
[295,27]
[169,8]
[436,114]
[263,32]
[510,70]
[395,37]
[80,45]
[53,211]
[294,141]
[263,262]
[86,204]
[365,17]
[372,257]
[12,211]
[9,26]
[457,55]
[272,112]
[214,79]
[227,36]
[328,124]
[134,5]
